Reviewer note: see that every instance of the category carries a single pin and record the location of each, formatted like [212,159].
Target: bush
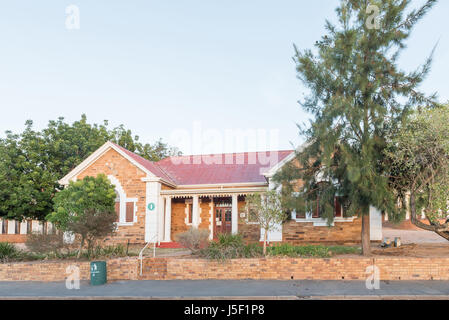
[8,252]
[45,243]
[230,247]
[194,239]
[110,251]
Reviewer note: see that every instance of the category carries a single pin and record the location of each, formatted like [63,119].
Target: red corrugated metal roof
[246,167]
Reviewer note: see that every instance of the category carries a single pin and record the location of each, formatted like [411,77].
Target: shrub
[45,243]
[8,252]
[194,239]
[110,251]
[230,247]
[286,249]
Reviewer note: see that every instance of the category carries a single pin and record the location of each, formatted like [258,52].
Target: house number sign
[151,206]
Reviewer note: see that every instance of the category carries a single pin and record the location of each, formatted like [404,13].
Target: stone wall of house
[112,163]
[178,217]
[341,233]
[180,210]
[250,231]
[357,268]
[205,212]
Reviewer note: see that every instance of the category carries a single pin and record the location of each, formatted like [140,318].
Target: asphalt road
[226,289]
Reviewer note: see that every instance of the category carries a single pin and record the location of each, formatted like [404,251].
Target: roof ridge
[164,170]
[226,153]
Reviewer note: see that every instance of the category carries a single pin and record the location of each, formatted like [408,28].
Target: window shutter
[129,211]
[117,210]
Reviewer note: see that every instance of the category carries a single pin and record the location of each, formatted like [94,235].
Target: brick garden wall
[13,238]
[238,269]
[118,269]
[297,269]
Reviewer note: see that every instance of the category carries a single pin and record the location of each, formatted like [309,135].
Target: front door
[223,220]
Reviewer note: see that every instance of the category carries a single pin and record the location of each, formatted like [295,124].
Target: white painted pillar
[294,215]
[211,218]
[235,216]
[160,219]
[34,226]
[195,212]
[152,207]
[167,219]
[23,227]
[50,228]
[1,226]
[375,223]
[275,235]
[11,227]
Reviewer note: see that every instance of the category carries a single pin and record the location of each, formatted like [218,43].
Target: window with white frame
[125,208]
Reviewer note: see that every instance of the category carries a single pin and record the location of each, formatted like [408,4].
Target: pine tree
[357,95]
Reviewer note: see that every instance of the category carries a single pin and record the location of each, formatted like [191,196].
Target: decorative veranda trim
[212,192]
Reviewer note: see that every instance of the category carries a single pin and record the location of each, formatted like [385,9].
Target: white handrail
[141,251]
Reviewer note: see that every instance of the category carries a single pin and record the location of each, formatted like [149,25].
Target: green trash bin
[98,273]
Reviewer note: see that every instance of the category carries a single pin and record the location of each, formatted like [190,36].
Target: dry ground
[430,250]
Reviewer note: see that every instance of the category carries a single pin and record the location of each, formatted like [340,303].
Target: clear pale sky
[160,66]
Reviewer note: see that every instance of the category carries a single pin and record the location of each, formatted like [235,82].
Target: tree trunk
[415,221]
[265,236]
[366,239]
[80,248]
[89,248]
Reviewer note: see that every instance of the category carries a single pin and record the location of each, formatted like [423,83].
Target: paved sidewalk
[246,289]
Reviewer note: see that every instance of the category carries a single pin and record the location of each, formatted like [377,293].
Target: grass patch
[288,250]
[316,251]
[337,250]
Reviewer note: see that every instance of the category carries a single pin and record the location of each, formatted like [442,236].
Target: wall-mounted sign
[151,206]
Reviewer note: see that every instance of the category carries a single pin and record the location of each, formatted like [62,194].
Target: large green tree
[358,94]
[26,186]
[418,158]
[33,161]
